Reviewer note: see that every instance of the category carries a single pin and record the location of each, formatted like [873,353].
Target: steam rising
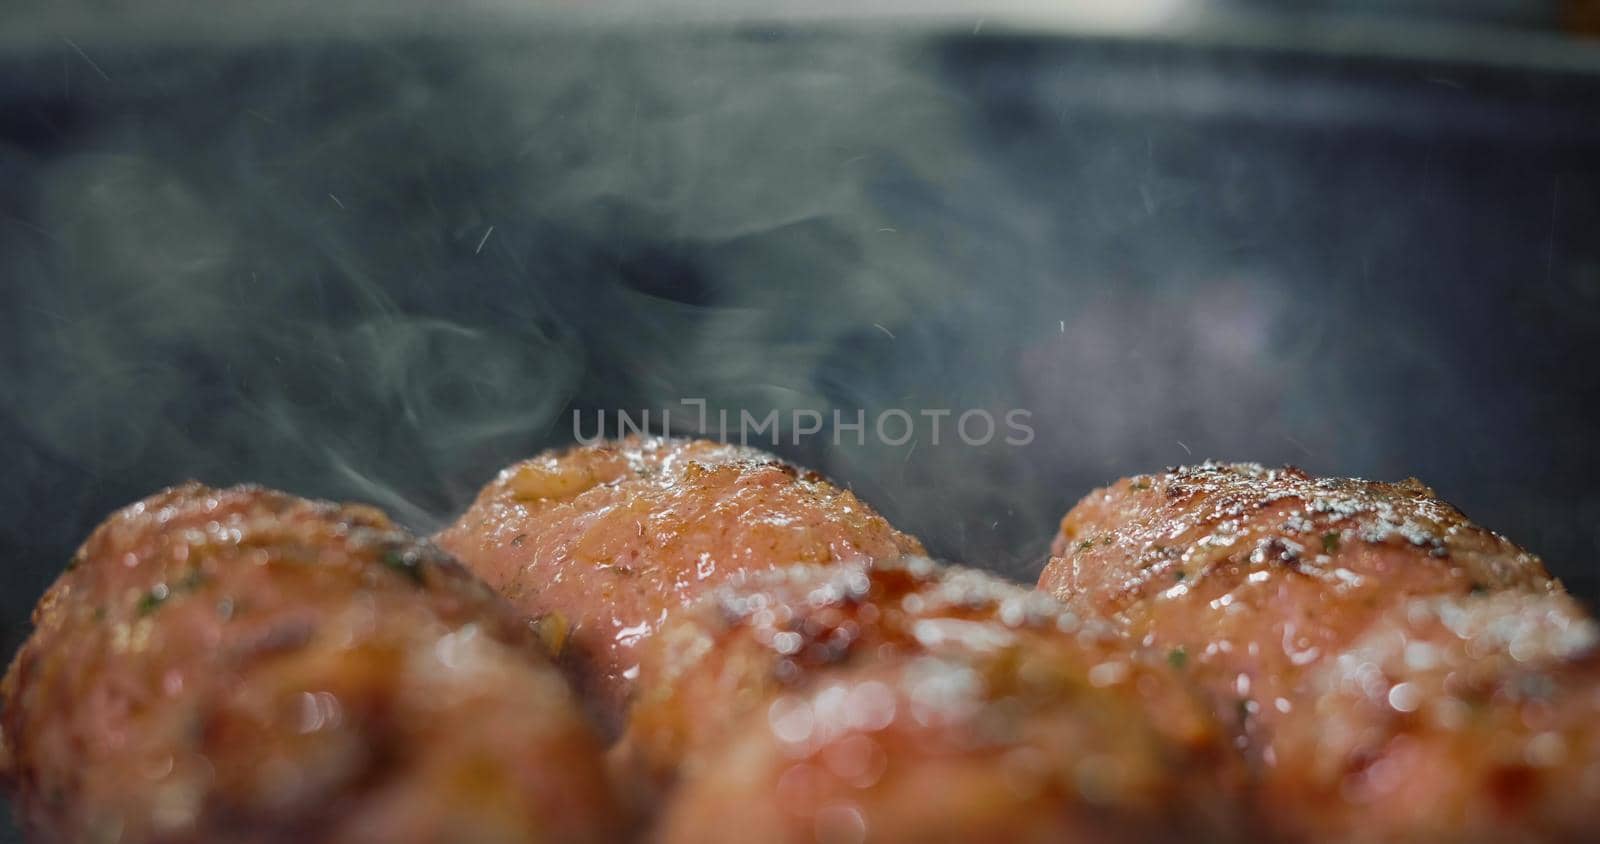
[297,282]
[381,269]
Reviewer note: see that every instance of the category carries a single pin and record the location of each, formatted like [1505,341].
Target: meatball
[1471,718]
[1392,671]
[601,542]
[912,702]
[241,665]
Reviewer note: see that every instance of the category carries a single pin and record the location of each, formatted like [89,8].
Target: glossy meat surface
[600,543]
[1393,671]
[1459,718]
[914,702]
[241,665]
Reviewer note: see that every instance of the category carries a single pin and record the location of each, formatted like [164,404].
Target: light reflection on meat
[913,702]
[242,665]
[600,543]
[1392,670]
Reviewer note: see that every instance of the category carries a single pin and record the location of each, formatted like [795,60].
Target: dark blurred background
[377,252]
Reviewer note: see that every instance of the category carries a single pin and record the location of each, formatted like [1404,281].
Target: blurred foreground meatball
[913,702]
[242,665]
[1391,670]
[601,542]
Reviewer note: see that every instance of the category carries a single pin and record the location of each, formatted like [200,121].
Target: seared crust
[1393,671]
[914,702]
[244,665]
[601,542]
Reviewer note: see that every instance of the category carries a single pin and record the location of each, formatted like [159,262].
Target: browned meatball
[1394,671]
[912,702]
[602,542]
[242,665]
[1453,718]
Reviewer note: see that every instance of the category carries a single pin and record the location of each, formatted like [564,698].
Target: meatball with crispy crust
[601,542]
[1393,671]
[242,665]
[914,702]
